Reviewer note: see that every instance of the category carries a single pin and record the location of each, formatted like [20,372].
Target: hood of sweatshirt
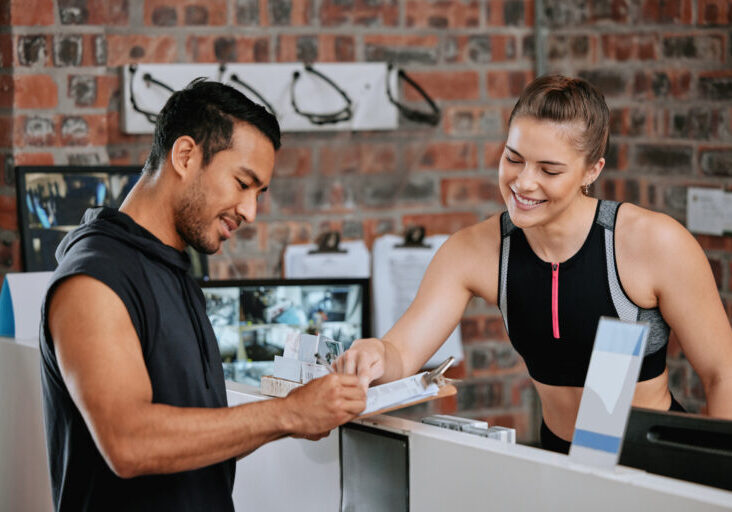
[112,223]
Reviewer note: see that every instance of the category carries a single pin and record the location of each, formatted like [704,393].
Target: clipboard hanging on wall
[328,258]
[398,268]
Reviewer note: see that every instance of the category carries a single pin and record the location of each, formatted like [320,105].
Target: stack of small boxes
[470,426]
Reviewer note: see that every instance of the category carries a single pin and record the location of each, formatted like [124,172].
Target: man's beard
[190,223]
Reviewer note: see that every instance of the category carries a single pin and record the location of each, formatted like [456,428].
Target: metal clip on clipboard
[436,376]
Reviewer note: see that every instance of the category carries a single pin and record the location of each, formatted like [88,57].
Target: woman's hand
[365,358]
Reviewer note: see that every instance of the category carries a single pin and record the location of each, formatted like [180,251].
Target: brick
[35,131]
[35,91]
[714,12]
[431,14]
[33,158]
[390,189]
[703,47]
[8,213]
[129,49]
[293,161]
[661,84]
[716,162]
[697,123]
[671,12]
[115,135]
[31,13]
[468,191]
[664,158]
[93,91]
[249,238]
[359,12]
[119,156]
[560,13]
[33,50]
[729,273]
[374,228]
[443,156]
[247,12]
[492,152]
[283,233]
[401,49]
[480,394]
[440,223]
[99,47]
[715,85]
[714,243]
[717,269]
[7,128]
[287,196]
[512,13]
[481,49]
[170,13]
[83,130]
[611,83]
[10,255]
[6,50]
[289,13]
[68,50]
[458,85]
[7,91]
[5,14]
[227,49]
[312,48]
[358,158]
[507,84]
[562,47]
[93,12]
[472,121]
[625,47]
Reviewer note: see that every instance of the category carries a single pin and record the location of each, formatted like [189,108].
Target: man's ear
[185,156]
[593,172]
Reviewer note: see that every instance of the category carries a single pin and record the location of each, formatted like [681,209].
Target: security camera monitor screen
[252,319]
[52,201]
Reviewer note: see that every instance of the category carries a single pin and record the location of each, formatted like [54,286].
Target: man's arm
[101,361]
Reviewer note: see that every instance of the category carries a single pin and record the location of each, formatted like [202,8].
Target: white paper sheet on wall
[397,274]
[302,263]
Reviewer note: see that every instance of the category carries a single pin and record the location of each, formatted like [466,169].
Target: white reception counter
[443,469]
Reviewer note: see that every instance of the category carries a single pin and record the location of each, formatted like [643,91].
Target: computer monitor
[52,200]
[252,318]
[679,445]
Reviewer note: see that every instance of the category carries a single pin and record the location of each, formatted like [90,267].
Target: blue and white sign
[608,393]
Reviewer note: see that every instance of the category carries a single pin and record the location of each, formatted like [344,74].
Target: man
[133,390]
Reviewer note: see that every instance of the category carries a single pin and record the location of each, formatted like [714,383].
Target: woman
[556,261]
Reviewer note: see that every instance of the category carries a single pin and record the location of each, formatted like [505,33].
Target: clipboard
[446,390]
[399,267]
[330,258]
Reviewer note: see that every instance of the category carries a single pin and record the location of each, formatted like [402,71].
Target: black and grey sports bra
[551,310]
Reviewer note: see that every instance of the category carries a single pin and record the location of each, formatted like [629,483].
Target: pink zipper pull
[555,300]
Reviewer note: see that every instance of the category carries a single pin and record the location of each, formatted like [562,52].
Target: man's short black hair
[207,111]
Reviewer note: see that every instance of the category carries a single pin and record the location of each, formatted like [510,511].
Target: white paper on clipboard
[302,263]
[397,273]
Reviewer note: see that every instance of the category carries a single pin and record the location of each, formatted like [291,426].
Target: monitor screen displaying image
[52,201]
[252,319]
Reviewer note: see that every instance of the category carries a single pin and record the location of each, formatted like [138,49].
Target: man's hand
[365,358]
[325,403]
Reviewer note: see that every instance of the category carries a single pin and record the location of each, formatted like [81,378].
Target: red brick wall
[664,66]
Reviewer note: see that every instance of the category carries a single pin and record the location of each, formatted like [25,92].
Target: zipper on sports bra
[555,300]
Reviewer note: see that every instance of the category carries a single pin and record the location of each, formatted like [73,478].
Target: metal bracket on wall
[365,84]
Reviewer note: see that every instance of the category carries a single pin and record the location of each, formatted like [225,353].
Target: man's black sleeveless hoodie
[168,312]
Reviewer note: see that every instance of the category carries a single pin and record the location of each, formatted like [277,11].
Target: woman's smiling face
[541,171]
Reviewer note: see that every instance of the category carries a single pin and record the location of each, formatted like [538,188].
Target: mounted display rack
[317,97]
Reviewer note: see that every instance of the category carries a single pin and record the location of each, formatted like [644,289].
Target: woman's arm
[465,265]
[680,277]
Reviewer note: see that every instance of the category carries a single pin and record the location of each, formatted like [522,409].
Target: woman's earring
[586,189]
